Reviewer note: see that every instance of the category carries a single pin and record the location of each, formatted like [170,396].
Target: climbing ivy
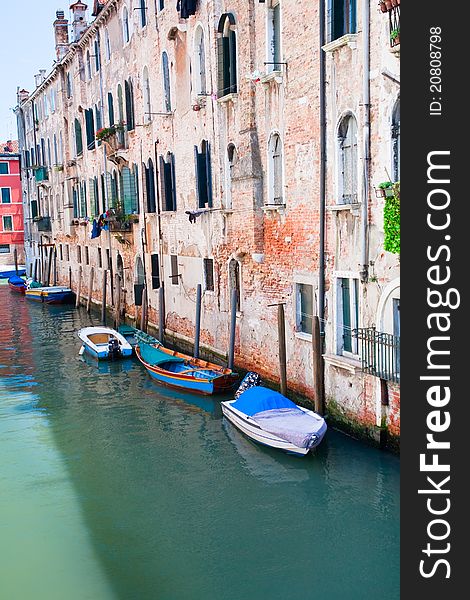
[392,221]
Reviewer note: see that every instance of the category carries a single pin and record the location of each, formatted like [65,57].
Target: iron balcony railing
[394,25]
[379,352]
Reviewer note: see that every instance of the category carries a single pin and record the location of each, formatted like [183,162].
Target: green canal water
[114,488]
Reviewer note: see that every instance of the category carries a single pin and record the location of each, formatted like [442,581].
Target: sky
[28,45]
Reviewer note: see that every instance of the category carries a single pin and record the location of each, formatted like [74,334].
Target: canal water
[112,487]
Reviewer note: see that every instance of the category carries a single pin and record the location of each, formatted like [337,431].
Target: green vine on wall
[392,221]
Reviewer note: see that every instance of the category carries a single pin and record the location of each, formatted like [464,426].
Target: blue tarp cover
[258,399]
[14,280]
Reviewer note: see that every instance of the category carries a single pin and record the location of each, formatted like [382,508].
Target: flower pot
[395,3]
[383,8]
[388,4]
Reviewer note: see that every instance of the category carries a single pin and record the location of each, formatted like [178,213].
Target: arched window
[107,45]
[150,187]
[167,181]
[88,65]
[125,25]
[230,163]
[347,161]
[129,92]
[146,96]
[200,54]
[110,109]
[234,280]
[78,138]
[97,55]
[56,154]
[396,141]
[275,160]
[166,82]
[143,13]
[120,133]
[226,56]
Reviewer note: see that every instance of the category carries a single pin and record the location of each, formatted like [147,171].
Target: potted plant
[395,36]
[384,190]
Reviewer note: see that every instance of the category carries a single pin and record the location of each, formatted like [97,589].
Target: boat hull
[254,432]
[50,296]
[96,340]
[189,383]
[20,289]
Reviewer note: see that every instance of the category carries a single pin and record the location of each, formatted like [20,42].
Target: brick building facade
[210,172]
[11,206]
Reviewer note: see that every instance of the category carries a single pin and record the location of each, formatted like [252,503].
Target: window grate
[380,353]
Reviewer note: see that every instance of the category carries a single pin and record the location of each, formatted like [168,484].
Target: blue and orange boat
[184,372]
[17,284]
[56,294]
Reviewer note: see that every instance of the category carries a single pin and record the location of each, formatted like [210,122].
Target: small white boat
[104,343]
[271,419]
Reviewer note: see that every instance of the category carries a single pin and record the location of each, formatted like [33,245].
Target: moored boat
[104,343]
[55,294]
[184,372]
[17,284]
[7,271]
[271,419]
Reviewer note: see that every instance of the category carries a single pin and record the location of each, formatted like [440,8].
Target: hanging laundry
[95,229]
[193,214]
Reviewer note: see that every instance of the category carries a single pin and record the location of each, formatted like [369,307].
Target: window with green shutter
[129,93]
[6,195]
[129,199]
[167,181]
[347,315]
[90,129]
[203,168]
[341,18]
[7,223]
[155,272]
[226,56]
[304,308]
[4,168]
[110,109]
[78,138]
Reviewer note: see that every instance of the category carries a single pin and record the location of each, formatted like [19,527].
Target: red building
[11,205]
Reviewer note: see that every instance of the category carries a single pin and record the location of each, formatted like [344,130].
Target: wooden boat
[17,284]
[184,372]
[8,271]
[104,343]
[55,294]
[130,333]
[271,419]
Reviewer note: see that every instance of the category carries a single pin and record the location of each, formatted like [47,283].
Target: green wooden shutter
[110,109]
[346,302]
[168,190]
[92,196]
[78,137]
[329,21]
[232,40]
[196,168]
[135,190]
[161,166]
[220,68]
[155,272]
[209,175]
[173,181]
[127,191]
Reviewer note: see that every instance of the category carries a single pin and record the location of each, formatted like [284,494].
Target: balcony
[392,9]
[41,174]
[380,353]
[43,223]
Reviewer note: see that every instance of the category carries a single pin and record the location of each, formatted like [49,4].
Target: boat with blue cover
[17,284]
[178,370]
[104,343]
[8,271]
[271,419]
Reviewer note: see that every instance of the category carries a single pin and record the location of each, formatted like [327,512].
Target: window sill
[350,39]
[228,98]
[353,208]
[301,335]
[273,207]
[342,362]
[275,76]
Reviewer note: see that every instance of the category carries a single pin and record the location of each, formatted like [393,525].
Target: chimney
[39,78]
[79,24]
[22,96]
[61,30]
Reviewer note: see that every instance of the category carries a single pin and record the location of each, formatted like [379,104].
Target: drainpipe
[364,273]
[321,266]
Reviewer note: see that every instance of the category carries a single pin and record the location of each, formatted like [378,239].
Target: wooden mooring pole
[317,365]
[117,296]
[79,287]
[281,325]
[143,314]
[49,265]
[233,323]
[70,277]
[103,302]
[15,254]
[197,333]
[90,289]
[161,313]
[55,266]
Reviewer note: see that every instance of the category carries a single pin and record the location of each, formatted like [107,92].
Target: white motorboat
[104,343]
[271,419]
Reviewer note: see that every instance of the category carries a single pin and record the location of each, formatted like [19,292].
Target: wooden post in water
[15,254]
[281,325]
[103,302]
[90,289]
[143,314]
[49,265]
[70,277]
[161,313]
[197,332]
[55,266]
[35,272]
[233,323]
[79,287]
[317,365]
[42,263]
[117,296]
